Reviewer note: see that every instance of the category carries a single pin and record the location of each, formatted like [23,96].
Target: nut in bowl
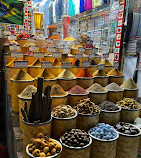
[43,146]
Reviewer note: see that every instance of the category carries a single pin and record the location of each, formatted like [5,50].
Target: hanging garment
[82,3]
[96,3]
[54,12]
[71,8]
[88,4]
[77,6]
[139,27]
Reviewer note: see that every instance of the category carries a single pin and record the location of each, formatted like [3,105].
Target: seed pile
[77,90]
[113,87]
[105,62]
[99,73]
[126,128]
[129,84]
[138,99]
[96,88]
[66,74]
[63,111]
[43,146]
[103,131]
[128,103]
[108,106]
[57,90]
[85,106]
[76,138]
[27,92]
[115,72]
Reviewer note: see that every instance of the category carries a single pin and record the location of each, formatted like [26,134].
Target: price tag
[66,65]
[85,64]
[20,64]
[33,48]
[23,31]
[14,47]
[66,50]
[16,55]
[91,55]
[45,64]
[50,49]
[12,37]
[38,54]
[31,40]
[81,50]
[78,56]
[116,64]
[57,55]
[105,55]
[95,50]
[101,67]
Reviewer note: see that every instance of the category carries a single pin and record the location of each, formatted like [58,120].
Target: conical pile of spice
[129,84]
[96,88]
[76,62]
[99,73]
[115,72]
[56,62]
[105,62]
[92,62]
[57,90]
[66,74]
[113,87]
[28,44]
[46,74]
[27,92]
[84,73]
[77,90]
[11,64]
[22,76]
[36,63]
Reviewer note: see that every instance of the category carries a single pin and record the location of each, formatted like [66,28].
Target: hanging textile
[77,6]
[71,8]
[88,4]
[139,27]
[54,12]
[96,3]
[82,3]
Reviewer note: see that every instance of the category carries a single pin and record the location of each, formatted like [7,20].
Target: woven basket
[107,68]
[35,71]
[130,93]
[75,70]
[22,41]
[102,80]
[117,79]
[114,96]
[85,82]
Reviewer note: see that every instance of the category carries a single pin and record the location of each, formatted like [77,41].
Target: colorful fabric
[11,11]
[71,8]
[88,4]
[96,3]
[82,4]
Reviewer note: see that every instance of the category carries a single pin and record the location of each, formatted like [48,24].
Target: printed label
[66,65]
[78,56]
[33,48]
[16,55]
[45,64]
[20,64]
[38,55]
[57,55]
[101,67]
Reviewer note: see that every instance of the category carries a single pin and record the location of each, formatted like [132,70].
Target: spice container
[128,142]
[75,49]
[138,100]
[100,77]
[104,141]
[49,58]
[18,83]
[35,68]
[97,59]
[115,76]
[58,95]
[39,40]
[80,146]
[25,48]
[51,29]
[66,79]
[38,118]
[130,110]
[88,114]
[49,79]
[7,58]
[115,92]
[84,78]
[52,148]
[97,93]
[64,119]
[92,68]
[130,89]
[76,94]
[22,41]
[110,113]
[29,57]
[75,70]
[25,97]
[108,66]
[10,72]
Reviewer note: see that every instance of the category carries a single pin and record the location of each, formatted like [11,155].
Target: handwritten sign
[38,54]
[101,67]
[78,56]
[21,64]
[16,55]
[66,65]
[57,55]
[45,64]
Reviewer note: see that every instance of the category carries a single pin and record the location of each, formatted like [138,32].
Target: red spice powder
[84,73]
[75,62]
[77,90]
[55,37]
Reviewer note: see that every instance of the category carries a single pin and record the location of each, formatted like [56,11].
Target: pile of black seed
[76,138]
[108,106]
